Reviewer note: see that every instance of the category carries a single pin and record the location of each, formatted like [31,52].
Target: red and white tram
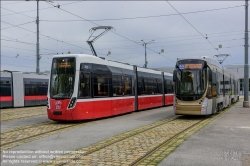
[87,87]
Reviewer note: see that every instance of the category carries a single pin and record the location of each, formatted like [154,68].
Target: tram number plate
[57,112]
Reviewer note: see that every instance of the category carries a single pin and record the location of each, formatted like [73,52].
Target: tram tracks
[147,145]
[117,139]
[24,134]
[154,156]
[10,114]
[131,147]
[144,146]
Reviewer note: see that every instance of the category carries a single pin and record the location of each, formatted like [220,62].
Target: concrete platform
[223,142]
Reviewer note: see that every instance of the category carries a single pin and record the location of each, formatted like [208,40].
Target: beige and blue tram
[203,87]
[88,87]
[18,89]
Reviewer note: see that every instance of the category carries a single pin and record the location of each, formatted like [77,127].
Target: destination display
[190,66]
[64,64]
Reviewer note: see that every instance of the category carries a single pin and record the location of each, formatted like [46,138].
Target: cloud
[172,33]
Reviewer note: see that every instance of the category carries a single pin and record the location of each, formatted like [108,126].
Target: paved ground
[84,136]
[10,114]
[23,122]
[223,142]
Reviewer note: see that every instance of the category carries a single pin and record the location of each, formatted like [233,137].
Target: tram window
[159,86]
[154,86]
[84,88]
[235,87]
[30,89]
[165,87]
[150,86]
[232,86]
[168,87]
[214,90]
[145,86]
[227,85]
[101,85]
[220,77]
[209,90]
[117,85]
[5,88]
[42,89]
[140,86]
[127,85]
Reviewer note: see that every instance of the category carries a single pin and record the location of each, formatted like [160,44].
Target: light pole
[246,67]
[37,40]
[145,45]
[38,57]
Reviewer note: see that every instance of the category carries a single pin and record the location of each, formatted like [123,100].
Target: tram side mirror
[175,76]
[210,75]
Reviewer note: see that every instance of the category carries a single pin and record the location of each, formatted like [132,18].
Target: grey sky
[172,33]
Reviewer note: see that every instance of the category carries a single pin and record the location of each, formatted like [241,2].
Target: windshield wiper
[59,98]
[199,87]
[176,66]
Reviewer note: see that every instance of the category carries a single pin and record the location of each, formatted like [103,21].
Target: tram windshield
[62,78]
[191,82]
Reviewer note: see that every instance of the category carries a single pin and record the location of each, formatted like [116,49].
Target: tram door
[214,91]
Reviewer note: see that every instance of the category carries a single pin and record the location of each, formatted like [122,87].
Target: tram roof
[25,74]
[168,74]
[205,58]
[100,60]
[213,62]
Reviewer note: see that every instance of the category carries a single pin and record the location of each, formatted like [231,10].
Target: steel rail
[118,140]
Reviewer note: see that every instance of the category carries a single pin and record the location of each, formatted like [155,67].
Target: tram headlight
[47,102]
[72,102]
[204,105]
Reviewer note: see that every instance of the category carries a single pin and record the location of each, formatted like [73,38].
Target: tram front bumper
[188,110]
